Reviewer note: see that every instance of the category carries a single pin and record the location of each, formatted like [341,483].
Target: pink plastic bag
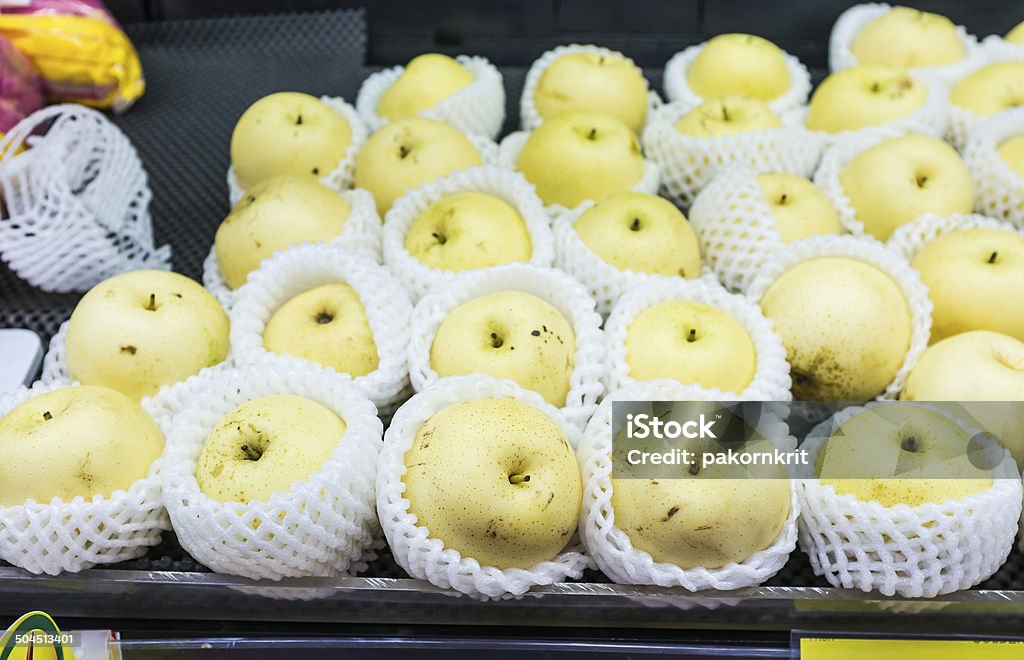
[20,86]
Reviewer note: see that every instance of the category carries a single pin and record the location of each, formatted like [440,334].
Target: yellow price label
[816,648]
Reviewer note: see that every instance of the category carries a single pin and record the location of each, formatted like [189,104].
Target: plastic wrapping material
[360,233]
[910,551]
[320,526]
[554,287]
[869,251]
[611,547]
[998,188]
[853,20]
[689,163]
[304,267]
[340,178]
[416,276]
[771,380]
[677,89]
[78,48]
[77,201]
[57,536]
[414,549]
[477,108]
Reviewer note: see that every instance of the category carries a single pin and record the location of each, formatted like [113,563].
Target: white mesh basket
[604,281]
[318,527]
[57,536]
[735,225]
[414,549]
[554,287]
[771,381]
[998,189]
[529,118]
[299,269]
[678,89]
[910,551]
[610,546]
[689,163]
[856,18]
[932,118]
[360,233]
[478,108]
[508,156]
[76,201]
[872,252]
[416,276]
[961,120]
[909,239]
[341,177]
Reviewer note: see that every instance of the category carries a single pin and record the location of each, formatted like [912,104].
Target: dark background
[513,33]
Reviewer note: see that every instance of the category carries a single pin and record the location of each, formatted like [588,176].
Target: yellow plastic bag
[79,49]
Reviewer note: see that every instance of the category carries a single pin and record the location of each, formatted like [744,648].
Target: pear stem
[496,341]
[692,337]
[992,259]
[47,416]
[592,134]
[694,469]
[910,444]
[518,478]
[251,453]
[151,306]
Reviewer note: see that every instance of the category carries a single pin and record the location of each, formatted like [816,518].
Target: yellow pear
[75,442]
[728,115]
[426,81]
[593,82]
[739,64]
[991,89]
[907,38]
[469,230]
[509,334]
[845,324]
[800,210]
[1012,151]
[327,325]
[495,479]
[862,96]
[265,446]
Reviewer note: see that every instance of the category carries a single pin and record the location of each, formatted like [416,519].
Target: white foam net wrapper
[58,536]
[997,48]
[508,156]
[318,527]
[414,549]
[771,381]
[912,551]
[604,281]
[416,276]
[529,118]
[478,108]
[360,233]
[341,177]
[909,239]
[76,201]
[835,158]
[963,121]
[932,118]
[689,163]
[998,189]
[872,252]
[856,18]
[556,288]
[299,269]
[610,546]
[735,225]
[678,89]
